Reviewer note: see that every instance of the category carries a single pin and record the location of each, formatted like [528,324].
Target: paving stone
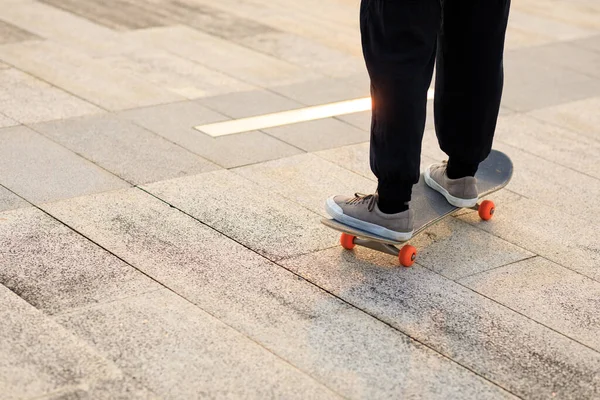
[564,15]
[11,34]
[546,292]
[351,352]
[28,100]
[211,20]
[119,389]
[40,170]
[86,77]
[221,55]
[66,28]
[40,357]
[590,43]
[356,158]
[361,120]
[455,249]
[176,74]
[531,84]
[57,270]
[322,91]
[579,116]
[509,349]
[4,66]
[529,28]
[242,210]
[306,179]
[127,150]
[115,14]
[567,240]
[191,351]
[6,122]
[175,122]
[306,53]
[319,134]
[550,142]
[541,180]
[249,103]
[568,55]
[10,201]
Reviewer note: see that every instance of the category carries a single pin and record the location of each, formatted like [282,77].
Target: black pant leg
[399,39]
[469,77]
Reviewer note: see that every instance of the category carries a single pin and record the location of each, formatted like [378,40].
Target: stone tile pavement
[141,258]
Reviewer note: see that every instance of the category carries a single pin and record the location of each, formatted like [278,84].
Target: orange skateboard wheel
[486,210]
[407,255]
[347,241]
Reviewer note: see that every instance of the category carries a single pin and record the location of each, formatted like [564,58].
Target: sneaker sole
[455,201]
[337,213]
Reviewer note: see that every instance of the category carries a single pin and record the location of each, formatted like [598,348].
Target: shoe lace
[360,198]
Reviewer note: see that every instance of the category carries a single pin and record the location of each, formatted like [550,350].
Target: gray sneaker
[460,192]
[362,212]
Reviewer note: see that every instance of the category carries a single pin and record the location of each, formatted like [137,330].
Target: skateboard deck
[431,207]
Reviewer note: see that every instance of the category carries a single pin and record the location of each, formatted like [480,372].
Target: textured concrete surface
[207,282]
[512,350]
[266,302]
[40,170]
[56,269]
[125,149]
[263,221]
[190,342]
[553,295]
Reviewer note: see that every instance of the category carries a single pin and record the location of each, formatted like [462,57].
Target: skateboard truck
[407,253]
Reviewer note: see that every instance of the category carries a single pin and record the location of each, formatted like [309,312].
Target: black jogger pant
[401,40]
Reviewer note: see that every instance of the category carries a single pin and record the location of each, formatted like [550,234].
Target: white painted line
[289,117]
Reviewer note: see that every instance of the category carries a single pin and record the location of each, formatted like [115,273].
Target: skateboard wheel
[486,210]
[347,241]
[407,255]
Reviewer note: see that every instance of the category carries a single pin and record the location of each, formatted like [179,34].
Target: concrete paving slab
[40,357]
[509,349]
[6,122]
[539,179]
[455,249]
[175,122]
[307,180]
[579,116]
[28,100]
[66,28]
[125,149]
[221,55]
[249,103]
[579,14]
[531,84]
[125,388]
[192,352]
[57,270]
[590,43]
[361,120]
[242,210]
[85,76]
[176,74]
[568,55]
[346,349]
[40,170]
[10,201]
[322,91]
[319,134]
[546,292]
[114,14]
[12,34]
[566,240]
[356,159]
[551,143]
[305,53]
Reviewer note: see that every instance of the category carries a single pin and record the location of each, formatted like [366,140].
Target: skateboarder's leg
[399,45]
[469,80]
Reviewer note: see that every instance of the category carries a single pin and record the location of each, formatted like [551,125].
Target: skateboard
[430,207]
